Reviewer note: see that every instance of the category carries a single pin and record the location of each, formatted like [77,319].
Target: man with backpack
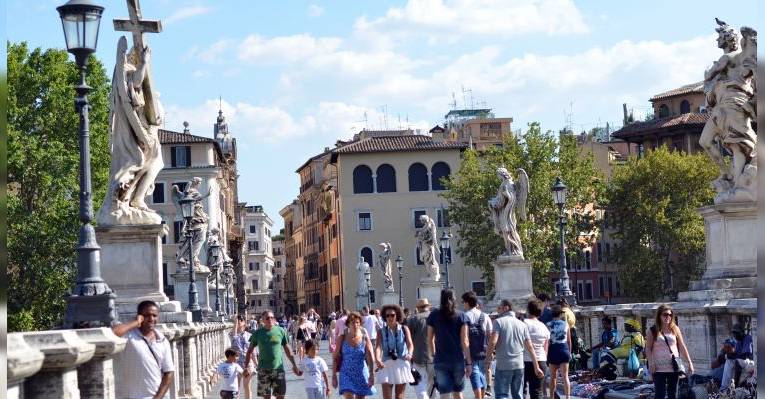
[479,328]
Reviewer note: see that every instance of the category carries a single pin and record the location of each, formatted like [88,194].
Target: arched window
[418,177]
[685,107]
[440,170]
[362,180]
[366,253]
[386,179]
[663,111]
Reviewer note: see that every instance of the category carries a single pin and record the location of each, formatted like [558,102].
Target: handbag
[633,363]
[677,364]
[417,377]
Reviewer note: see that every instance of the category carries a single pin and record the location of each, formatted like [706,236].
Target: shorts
[477,377]
[558,354]
[229,394]
[271,382]
[450,377]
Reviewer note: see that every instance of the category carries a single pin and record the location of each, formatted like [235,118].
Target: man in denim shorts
[271,341]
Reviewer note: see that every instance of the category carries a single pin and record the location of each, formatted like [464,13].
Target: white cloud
[256,48]
[444,20]
[315,10]
[185,13]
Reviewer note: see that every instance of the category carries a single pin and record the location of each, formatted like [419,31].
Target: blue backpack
[477,338]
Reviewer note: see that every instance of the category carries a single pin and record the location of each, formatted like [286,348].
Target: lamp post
[187,209]
[368,277]
[559,197]
[444,241]
[91,301]
[215,252]
[400,267]
[226,283]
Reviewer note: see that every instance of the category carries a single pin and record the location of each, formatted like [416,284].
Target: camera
[392,354]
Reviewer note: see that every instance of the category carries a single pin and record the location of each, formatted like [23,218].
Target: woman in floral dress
[353,360]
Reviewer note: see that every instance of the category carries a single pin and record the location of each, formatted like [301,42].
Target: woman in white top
[664,347]
[540,339]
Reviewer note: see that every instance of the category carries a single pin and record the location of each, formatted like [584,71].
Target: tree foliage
[653,202]
[43,178]
[543,157]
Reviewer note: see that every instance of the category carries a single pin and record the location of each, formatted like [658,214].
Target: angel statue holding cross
[134,122]
[511,196]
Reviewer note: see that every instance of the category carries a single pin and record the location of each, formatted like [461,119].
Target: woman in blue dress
[353,359]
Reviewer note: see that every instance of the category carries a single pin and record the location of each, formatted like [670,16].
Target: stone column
[179,358]
[64,351]
[23,361]
[96,377]
[190,389]
[513,280]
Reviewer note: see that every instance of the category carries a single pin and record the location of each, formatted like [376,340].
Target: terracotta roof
[691,119]
[396,144]
[697,87]
[171,137]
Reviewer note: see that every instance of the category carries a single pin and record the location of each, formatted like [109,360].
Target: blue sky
[295,76]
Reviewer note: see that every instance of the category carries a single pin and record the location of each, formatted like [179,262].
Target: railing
[83,363]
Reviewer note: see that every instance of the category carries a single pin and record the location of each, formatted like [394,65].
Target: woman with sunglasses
[663,348]
[353,361]
[393,352]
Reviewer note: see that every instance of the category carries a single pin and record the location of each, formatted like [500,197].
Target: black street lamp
[444,240]
[400,267]
[215,256]
[187,203]
[227,273]
[368,276]
[92,301]
[559,197]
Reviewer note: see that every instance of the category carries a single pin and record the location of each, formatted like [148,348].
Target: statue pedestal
[432,291]
[512,281]
[389,298]
[131,263]
[361,301]
[731,236]
[201,276]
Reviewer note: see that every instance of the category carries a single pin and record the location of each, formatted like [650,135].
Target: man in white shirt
[370,324]
[147,357]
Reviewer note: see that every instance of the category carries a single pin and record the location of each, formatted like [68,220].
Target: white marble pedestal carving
[389,298]
[201,277]
[731,236]
[513,281]
[432,291]
[131,263]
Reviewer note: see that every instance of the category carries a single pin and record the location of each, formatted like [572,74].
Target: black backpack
[477,338]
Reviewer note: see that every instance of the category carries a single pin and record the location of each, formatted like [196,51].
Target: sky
[293,77]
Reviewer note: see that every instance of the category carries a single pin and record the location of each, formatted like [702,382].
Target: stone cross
[138,26]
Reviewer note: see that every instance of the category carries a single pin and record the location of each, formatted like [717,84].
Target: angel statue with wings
[197,226]
[510,196]
[385,264]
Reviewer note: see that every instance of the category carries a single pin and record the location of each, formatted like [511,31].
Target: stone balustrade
[705,324]
[83,363]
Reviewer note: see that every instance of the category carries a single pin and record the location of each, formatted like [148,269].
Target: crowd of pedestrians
[436,351]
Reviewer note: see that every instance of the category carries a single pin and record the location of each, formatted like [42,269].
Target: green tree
[543,157]
[43,170]
[653,203]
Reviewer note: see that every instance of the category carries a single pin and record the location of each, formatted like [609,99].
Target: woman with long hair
[447,332]
[353,360]
[663,349]
[303,334]
[394,353]
[559,353]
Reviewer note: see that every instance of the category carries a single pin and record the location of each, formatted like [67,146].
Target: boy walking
[231,372]
[315,370]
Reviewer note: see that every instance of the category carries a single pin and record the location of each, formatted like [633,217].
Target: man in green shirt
[271,341]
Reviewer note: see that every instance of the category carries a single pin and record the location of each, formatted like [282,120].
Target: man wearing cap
[422,359]
[742,349]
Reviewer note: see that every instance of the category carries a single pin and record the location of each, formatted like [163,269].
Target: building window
[588,290]
[610,286]
[479,287]
[372,297]
[365,221]
[418,177]
[579,290]
[158,196]
[270,285]
[260,302]
[362,180]
[252,228]
[417,213]
[601,287]
[180,156]
[366,253]
[278,264]
[257,266]
[440,171]
[685,107]
[442,216]
[663,111]
[386,179]
[250,245]
[587,260]
[600,253]
[254,285]
[177,231]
